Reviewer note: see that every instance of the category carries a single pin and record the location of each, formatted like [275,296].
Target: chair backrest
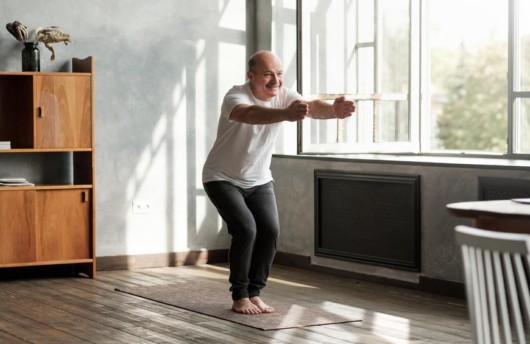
[497,271]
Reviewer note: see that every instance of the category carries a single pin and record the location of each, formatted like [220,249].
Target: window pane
[391,121]
[361,48]
[324,132]
[524,46]
[468,65]
[329,63]
[522,79]
[394,57]
[327,29]
[523,144]
[365,18]
[366,84]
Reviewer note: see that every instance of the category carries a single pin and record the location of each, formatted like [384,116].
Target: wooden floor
[81,310]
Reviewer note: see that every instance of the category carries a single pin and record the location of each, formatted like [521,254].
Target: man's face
[267,77]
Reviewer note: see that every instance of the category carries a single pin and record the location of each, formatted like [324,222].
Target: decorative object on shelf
[15,182]
[48,35]
[51,35]
[31,57]
[18,30]
[30,53]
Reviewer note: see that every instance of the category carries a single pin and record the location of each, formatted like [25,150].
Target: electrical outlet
[141,208]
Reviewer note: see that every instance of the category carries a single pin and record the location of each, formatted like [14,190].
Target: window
[434,76]
[521,77]
[466,80]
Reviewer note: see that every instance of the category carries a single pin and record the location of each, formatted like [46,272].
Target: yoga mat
[212,298]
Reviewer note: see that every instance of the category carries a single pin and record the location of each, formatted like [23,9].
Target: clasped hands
[343,108]
[300,109]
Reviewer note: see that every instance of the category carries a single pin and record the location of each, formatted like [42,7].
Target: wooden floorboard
[82,310]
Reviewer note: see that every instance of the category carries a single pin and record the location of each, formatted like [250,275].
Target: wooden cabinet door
[62,111]
[17,227]
[63,224]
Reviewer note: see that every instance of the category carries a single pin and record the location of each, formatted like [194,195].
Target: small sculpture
[51,35]
[18,30]
[48,35]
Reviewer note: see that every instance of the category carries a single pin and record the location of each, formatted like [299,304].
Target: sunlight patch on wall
[232,57]
[179,92]
[287,4]
[160,132]
[231,17]
[181,165]
[207,216]
[202,92]
[148,184]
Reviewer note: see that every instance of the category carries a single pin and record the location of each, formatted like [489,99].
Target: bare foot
[262,306]
[244,306]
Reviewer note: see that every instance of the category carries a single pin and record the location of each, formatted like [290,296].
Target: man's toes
[263,307]
[244,306]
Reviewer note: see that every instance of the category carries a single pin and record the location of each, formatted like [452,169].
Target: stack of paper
[15,182]
[5,144]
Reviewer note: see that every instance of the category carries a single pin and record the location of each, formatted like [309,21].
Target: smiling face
[265,75]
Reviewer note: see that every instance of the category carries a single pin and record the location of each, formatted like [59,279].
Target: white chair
[497,270]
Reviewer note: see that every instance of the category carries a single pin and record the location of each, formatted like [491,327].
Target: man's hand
[343,108]
[297,111]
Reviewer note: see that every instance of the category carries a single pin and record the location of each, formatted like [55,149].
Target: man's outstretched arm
[341,108]
[255,114]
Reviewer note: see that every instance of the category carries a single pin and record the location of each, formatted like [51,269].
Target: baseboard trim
[127,262]
[426,284]
[443,287]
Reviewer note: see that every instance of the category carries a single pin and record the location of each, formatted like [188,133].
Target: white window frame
[418,106]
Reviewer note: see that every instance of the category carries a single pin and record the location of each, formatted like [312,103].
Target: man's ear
[250,75]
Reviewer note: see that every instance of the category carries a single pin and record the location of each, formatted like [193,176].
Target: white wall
[162,68]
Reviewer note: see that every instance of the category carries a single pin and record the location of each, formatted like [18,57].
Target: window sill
[406,159]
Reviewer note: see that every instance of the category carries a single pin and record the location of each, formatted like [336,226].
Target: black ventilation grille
[493,188]
[368,218]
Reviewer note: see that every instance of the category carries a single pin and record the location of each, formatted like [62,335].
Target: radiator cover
[495,188]
[369,218]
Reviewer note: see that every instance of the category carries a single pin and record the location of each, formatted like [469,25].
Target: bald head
[265,74]
[262,57]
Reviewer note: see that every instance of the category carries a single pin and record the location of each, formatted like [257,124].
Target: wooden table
[503,216]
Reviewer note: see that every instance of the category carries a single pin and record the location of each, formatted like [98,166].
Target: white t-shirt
[242,152]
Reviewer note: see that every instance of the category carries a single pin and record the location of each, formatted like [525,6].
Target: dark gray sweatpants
[251,216]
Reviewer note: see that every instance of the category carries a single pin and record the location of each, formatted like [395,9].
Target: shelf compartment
[49,168]
[16,110]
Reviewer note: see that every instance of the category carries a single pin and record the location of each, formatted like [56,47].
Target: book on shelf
[15,182]
[5,144]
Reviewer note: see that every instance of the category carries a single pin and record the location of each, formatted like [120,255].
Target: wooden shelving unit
[50,223]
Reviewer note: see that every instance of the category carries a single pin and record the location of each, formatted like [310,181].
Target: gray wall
[447,181]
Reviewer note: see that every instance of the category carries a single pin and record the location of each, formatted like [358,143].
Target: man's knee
[243,230]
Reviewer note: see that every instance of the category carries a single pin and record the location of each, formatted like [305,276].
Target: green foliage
[474,106]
